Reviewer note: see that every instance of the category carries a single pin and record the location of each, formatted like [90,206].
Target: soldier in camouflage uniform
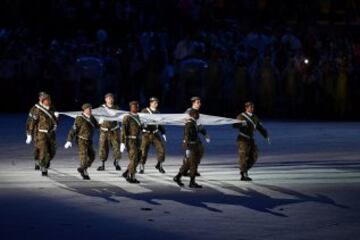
[30,137]
[83,130]
[41,126]
[152,136]
[194,150]
[247,148]
[131,140]
[109,136]
[195,105]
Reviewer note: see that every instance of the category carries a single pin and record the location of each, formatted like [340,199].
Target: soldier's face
[196,104]
[250,109]
[134,108]
[47,102]
[109,101]
[154,104]
[88,111]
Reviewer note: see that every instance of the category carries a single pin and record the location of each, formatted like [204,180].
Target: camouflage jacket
[248,126]
[83,128]
[41,119]
[110,125]
[152,127]
[191,135]
[131,127]
[200,127]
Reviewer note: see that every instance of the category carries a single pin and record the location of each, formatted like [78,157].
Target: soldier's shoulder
[144,110]
[240,116]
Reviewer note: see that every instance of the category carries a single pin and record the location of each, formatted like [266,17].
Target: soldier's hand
[122,147]
[68,145]
[187,153]
[268,140]
[56,114]
[207,139]
[28,139]
[101,120]
[164,137]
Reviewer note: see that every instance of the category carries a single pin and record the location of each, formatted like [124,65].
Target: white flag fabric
[177,119]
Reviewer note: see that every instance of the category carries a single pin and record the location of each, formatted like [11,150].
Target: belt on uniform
[147,131]
[46,131]
[132,137]
[109,129]
[192,142]
[83,138]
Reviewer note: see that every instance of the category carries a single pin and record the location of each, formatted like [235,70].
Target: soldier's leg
[133,153]
[115,146]
[160,153]
[42,143]
[253,155]
[52,148]
[195,158]
[145,145]
[84,158]
[103,149]
[36,156]
[244,151]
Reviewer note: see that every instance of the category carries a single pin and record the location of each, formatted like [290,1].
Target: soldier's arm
[162,129]
[203,131]
[32,120]
[74,129]
[238,125]
[262,130]
[124,131]
[187,135]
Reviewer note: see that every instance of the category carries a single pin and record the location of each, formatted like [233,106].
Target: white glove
[101,120]
[268,140]
[56,114]
[187,153]
[207,139]
[28,139]
[68,145]
[122,147]
[164,137]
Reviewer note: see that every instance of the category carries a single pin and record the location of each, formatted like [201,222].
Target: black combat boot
[44,171]
[87,177]
[142,169]
[117,166]
[125,174]
[81,171]
[37,167]
[102,167]
[160,168]
[245,176]
[132,179]
[193,184]
[177,179]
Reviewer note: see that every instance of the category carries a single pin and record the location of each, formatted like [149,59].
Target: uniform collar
[250,114]
[87,116]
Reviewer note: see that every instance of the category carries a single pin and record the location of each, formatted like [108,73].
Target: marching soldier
[131,140]
[41,127]
[151,136]
[194,150]
[83,130]
[247,148]
[109,135]
[195,105]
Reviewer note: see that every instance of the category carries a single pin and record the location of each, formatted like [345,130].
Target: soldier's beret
[152,99]
[109,95]
[193,99]
[43,95]
[86,106]
[248,104]
[133,103]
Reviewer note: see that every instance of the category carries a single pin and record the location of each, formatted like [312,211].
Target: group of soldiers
[135,137]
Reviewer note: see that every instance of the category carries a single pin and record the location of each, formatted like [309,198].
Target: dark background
[226,51]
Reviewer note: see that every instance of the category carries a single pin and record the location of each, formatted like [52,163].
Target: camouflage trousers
[154,139]
[86,153]
[248,152]
[134,154]
[45,148]
[191,163]
[107,140]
